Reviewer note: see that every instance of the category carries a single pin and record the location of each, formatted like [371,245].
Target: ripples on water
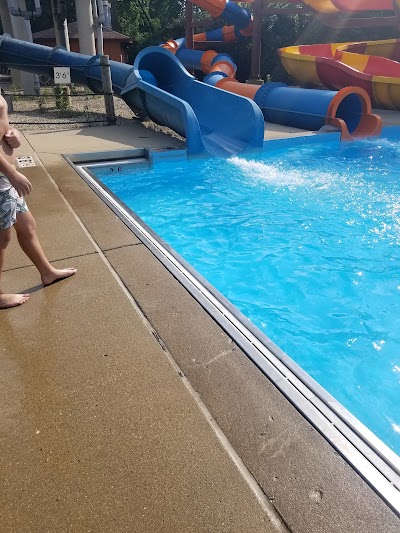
[305,242]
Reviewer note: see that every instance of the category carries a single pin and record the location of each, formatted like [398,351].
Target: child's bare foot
[12,300]
[57,275]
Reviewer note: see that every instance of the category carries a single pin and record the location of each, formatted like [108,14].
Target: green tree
[149,22]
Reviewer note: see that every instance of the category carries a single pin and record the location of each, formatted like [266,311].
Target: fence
[56,104]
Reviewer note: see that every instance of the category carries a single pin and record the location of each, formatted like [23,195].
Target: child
[14,212]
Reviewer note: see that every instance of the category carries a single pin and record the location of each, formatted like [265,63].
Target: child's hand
[12,138]
[22,185]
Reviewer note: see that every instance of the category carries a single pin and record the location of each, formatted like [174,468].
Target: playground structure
[221,122]
[349,109]
[331,13]
[372,66]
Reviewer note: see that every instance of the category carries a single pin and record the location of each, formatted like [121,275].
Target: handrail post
[256,44]
[189,25]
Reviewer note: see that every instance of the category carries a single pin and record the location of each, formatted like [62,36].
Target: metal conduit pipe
[84,17]
[100,11]
[98,17]
[59,11]
[107,14]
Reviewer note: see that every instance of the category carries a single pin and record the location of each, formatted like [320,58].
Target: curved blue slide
[158,86]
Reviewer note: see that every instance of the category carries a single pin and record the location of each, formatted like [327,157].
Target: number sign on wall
[62,75]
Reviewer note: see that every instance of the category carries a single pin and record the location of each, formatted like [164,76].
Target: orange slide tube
[233,86]
[369,125]
[206,60]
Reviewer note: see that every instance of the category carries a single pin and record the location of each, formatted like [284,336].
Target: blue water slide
[228,125]
[158,86]
[307,108]
[231,13]
[236,15]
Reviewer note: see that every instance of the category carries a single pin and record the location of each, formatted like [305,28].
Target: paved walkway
[98,430]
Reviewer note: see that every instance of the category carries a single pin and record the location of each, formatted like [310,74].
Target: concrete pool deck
[126,408]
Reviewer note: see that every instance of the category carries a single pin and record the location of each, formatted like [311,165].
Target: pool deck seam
[67,257]
[121,247]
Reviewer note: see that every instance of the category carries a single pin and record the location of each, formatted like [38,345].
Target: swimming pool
[304,240]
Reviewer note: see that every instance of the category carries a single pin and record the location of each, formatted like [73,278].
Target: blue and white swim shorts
[10,205]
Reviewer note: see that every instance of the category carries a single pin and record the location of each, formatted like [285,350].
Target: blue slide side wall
[245,127]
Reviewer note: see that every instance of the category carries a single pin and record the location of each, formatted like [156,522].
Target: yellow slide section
[337,6]
[323,6]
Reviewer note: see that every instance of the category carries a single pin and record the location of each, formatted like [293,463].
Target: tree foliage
[149,22]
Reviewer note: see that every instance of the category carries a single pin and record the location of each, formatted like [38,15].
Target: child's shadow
[33,289]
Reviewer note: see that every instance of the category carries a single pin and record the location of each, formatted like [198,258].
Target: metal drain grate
[25,161]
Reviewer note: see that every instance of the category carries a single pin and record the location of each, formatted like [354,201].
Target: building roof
[108,33]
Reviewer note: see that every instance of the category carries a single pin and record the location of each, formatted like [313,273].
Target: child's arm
[18,181]
[12,138]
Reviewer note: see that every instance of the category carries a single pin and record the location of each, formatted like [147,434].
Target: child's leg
[8,300]
[25,227]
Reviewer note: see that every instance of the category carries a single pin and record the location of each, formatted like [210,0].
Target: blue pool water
[305,241]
